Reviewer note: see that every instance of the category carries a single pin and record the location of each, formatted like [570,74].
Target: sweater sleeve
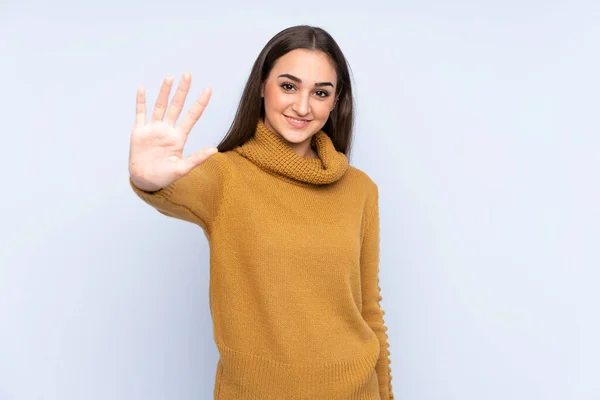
[371,292]
[196,197]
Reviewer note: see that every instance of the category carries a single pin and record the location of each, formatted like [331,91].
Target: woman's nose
[302,105]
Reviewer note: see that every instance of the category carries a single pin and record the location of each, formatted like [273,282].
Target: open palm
[156,147]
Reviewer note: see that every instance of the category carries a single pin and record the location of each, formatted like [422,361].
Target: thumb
[199,157]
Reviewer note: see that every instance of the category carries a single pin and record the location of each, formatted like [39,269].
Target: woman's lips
[297,123]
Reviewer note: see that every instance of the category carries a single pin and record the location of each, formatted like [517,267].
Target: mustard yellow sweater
[294,265]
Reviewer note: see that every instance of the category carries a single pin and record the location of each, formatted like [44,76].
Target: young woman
[293,229]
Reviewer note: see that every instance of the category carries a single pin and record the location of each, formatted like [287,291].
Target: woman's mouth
[297,122]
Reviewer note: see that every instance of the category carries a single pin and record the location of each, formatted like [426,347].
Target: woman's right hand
[156,148]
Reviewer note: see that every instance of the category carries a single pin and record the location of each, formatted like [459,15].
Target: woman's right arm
[189,188]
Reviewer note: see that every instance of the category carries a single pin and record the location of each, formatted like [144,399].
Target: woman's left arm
[371,291]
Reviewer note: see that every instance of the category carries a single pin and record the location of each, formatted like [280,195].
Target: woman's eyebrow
[298,80]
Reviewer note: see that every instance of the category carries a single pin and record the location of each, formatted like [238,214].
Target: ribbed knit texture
[294,270]
[269,152]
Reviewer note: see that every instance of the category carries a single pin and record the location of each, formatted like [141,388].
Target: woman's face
[299,94]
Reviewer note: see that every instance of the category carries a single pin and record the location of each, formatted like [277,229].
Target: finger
[140,107]
[162,100]
[179,99]
[195,111]
[197,158]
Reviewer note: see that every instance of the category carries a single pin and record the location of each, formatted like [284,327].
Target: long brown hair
[339,125]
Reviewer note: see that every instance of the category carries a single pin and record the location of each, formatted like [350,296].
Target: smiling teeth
[298,120]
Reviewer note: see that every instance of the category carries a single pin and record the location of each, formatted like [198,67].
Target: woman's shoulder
[223,160]
[362,179]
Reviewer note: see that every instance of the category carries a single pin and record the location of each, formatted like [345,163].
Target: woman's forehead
[308,65]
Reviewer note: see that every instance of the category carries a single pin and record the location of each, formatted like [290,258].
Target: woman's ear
[262,90]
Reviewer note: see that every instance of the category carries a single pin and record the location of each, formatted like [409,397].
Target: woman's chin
[294,137]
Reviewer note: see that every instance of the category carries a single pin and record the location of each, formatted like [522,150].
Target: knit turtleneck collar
[269,152]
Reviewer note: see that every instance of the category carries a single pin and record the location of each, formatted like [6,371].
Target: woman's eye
[289,87]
